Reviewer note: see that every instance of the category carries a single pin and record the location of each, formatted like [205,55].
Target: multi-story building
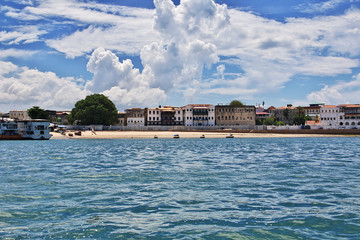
[121,119]
[330,116]
[227,115]
[135,117]
[351,117]
[165,116]
[285,114]
[154,116]
[313,110]
[19,115]
[199,115]
[58,117]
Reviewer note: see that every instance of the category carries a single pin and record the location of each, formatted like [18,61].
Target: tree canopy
[236,103]
[37,113]
[300,118]
[95,109]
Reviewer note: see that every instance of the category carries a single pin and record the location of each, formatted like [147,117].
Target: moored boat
[35,129]
[230,136]
[176,136]
[9,131]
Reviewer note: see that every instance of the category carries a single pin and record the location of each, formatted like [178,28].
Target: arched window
[353,123]
[341,123]
[347,123]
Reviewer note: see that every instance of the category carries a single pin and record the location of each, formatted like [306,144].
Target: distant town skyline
[147,53]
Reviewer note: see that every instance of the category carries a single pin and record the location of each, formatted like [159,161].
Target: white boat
[202,136]
[35,129]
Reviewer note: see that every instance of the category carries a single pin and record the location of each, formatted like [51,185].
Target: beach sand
[170,134]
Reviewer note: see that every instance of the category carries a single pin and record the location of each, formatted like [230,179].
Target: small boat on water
[230,136]
[202,136]
[176,136]
[155,136]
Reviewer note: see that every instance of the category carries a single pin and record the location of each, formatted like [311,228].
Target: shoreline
[185,134]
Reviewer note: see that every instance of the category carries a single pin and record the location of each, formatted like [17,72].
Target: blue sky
[147,53]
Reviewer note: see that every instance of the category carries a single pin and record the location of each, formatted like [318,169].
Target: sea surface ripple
[264,188]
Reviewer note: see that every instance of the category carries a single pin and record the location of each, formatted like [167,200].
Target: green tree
[94,109]
[236,103]
[37,113]
[259,122]
[317,118]
[269,121]
[279,123]
[299,117]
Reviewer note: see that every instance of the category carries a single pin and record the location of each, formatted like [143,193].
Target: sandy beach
[170,134]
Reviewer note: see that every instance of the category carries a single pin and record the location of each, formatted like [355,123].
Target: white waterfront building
[199,115]
[330,116]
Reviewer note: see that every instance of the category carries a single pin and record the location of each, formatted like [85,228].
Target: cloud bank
[176,44]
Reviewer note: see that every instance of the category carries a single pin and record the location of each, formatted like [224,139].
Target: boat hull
[10,137]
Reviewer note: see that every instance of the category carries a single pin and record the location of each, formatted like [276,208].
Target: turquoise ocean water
[296,188]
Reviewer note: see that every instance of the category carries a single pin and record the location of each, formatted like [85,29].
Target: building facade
[135,117]
[313,110]
[285,114]
[121,119]
[351,115]
[199,115]
[19,115]
[330,116]
[165,116]
[234,116]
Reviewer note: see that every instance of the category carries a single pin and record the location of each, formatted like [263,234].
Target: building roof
[281,108]
[262,113]
[329,106]
[271,108]
[312,122]
[312,107]
[200,105]
[350,105]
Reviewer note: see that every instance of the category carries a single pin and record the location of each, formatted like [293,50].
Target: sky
[146,53]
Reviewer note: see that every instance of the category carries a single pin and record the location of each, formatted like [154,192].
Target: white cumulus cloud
[21,86]
[121,82]
[340,93]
